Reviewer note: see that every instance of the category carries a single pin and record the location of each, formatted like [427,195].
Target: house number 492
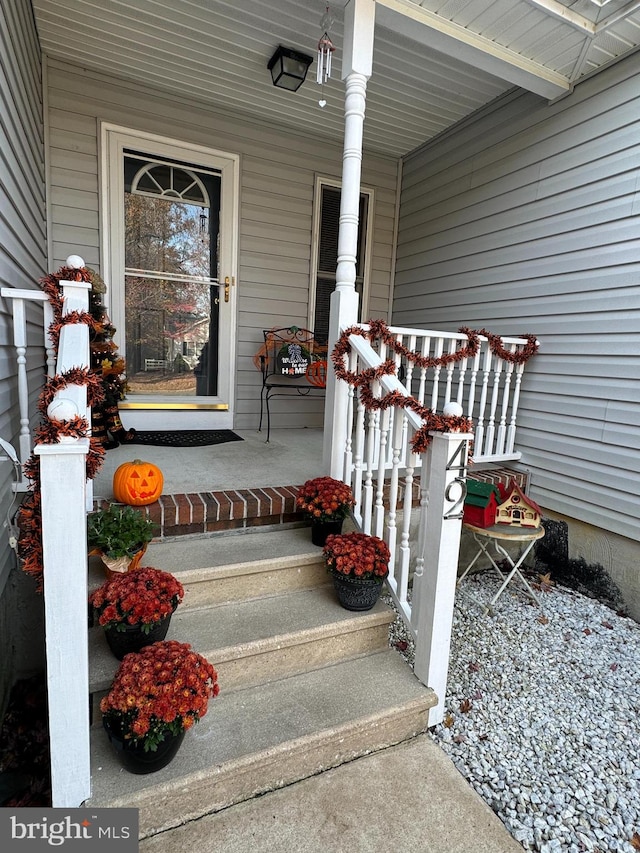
[456,490]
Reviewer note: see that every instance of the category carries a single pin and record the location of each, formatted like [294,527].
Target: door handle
[229,282]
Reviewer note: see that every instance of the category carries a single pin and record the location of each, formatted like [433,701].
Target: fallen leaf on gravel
[635,841]
[613,667]
[483,737]
[448,721]
[474,667]
[545,583]
[607,624]
[586,631]
[401,645]
[543,620]
[459,739]
[466,705]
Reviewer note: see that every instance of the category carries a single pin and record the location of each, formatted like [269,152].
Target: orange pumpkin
[137,483]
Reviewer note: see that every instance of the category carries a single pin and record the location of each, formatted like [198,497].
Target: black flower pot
[357,593]
[321,529]
[133,756]
[131,638]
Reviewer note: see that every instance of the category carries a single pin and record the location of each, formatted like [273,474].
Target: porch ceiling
[435,61]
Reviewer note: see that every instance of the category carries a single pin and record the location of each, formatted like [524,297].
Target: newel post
[63,484]
[64,553]
[434,587]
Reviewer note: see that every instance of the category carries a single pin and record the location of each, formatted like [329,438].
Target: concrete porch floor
[289,458]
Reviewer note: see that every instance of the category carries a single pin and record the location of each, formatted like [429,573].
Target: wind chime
[325,49]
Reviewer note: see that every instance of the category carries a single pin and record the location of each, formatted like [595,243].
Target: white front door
[170,267]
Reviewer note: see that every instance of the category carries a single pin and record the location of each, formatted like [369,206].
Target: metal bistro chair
[292,364]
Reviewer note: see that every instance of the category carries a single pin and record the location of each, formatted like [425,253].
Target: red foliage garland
[432,422]
[29,516]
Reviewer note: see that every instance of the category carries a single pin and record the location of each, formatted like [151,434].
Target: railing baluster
[450,369]
[511,432]
[358,458]
[486,373]
[502,426]
[396,447]
[367,486]
[378,521]
[435,391]
[491,424]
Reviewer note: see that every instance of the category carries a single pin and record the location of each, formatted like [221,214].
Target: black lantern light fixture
[289,68]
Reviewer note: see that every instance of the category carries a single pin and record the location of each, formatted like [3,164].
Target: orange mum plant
[142,597]
[357,555]
[325,499]
[158,692]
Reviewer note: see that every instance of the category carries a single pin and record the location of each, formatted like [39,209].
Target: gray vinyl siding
[22,263]
[277,177]
[525,219]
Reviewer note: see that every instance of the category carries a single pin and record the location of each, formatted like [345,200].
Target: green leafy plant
[119,531]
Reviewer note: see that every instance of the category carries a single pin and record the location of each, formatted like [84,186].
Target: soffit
[216,52]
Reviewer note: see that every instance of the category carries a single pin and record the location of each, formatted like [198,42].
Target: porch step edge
[257,641]
[385,705]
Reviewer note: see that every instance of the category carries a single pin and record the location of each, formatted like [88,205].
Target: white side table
[486,537]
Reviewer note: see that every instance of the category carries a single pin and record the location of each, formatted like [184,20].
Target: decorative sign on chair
[292,360]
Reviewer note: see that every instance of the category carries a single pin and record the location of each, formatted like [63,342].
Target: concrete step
[231,567]
[265,737]
[257,640]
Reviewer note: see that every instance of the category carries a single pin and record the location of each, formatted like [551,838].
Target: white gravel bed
[542,715]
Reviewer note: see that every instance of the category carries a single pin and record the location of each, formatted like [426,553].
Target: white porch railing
[19,299]
[420,523]
[485,385]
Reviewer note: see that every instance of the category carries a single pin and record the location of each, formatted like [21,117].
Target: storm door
[172,217]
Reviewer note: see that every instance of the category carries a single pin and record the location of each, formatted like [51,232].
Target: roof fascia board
[454,40]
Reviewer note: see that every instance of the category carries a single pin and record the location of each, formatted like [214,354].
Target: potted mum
[358,564]
[135,608]
[119,535]
[326,503]
[157,694]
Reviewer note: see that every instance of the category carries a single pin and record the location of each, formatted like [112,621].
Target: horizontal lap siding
[277,179]
[525,219]
[22,263]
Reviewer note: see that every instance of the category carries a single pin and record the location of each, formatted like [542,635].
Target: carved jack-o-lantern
[137,483]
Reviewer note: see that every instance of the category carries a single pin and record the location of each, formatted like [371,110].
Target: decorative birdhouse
[516,509]
[480,504]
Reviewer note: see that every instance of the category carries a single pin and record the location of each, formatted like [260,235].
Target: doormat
[184,437]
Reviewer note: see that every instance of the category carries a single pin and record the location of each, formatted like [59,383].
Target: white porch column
[356,69]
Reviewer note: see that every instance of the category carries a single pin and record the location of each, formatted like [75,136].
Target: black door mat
[184,437]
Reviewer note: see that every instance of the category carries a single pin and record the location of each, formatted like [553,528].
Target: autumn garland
[432,422]
[29,516]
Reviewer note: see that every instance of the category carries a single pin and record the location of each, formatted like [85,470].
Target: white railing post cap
[75,262]
[452,409]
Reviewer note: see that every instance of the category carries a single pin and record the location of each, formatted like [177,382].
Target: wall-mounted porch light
[289,68]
